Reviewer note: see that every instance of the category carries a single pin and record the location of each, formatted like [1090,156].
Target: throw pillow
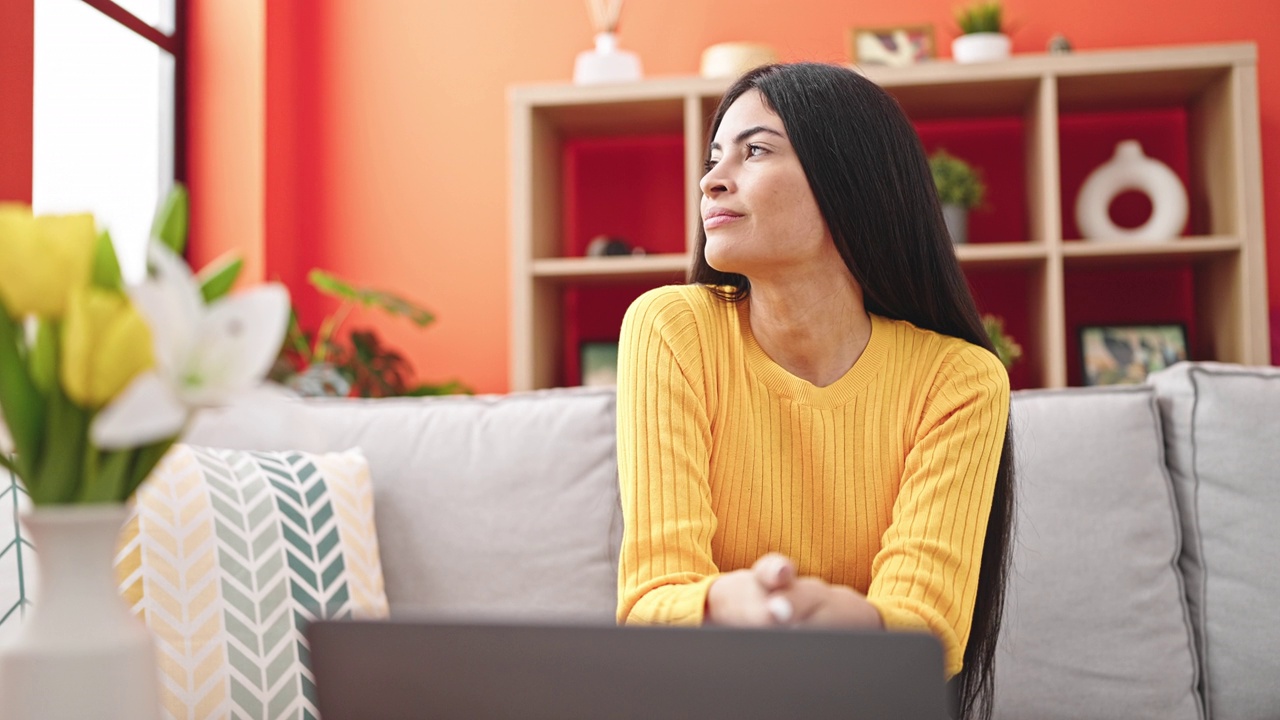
[1220,435]
[16,557]
[227,557]
[1096,623]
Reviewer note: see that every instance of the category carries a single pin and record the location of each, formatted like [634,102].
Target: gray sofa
[1144,582]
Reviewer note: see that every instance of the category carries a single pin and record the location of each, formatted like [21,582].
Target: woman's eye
[755,150]
[706,166]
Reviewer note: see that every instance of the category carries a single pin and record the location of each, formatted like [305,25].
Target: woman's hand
[770,593]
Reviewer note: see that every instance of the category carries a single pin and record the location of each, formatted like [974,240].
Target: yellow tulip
[43,258]
[105,344]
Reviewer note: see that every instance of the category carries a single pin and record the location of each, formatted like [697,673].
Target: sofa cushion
[1222,437]
[226,557]
[1096,624]
[504,506]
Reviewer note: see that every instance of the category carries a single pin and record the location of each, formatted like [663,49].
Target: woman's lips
[719,220]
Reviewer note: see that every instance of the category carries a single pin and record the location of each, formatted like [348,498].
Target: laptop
[416,668]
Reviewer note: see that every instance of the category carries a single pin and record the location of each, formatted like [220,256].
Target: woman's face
[759,214]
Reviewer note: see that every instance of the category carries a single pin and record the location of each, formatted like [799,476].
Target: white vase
[81,653]
[957,219]
[606,63]
[980,47]
[1130,169]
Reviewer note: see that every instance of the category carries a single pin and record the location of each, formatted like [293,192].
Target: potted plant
[982,37]
[1007,349]
[361,365]
[960,189]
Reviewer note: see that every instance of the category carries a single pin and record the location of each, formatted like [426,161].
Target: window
[105,114]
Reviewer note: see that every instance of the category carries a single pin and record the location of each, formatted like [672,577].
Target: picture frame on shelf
[893,46]
[599,362]
[1126,354]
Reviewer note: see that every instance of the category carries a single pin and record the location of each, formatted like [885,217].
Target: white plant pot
[1131,169]
[980,47]
[957,219]
[81,654]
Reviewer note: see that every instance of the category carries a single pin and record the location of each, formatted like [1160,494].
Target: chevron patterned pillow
[16,557]
[227,556]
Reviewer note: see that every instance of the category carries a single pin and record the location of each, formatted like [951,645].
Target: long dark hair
[871,179]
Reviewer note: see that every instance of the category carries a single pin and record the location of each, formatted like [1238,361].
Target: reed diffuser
[606,63]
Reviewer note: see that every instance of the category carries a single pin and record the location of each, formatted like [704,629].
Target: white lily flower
[204,354]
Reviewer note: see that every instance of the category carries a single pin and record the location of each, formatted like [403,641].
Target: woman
[813,431]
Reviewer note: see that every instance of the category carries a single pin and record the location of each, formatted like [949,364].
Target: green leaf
[106,266]
[144,462]
[453,387]
[218,277]
[62,459]
[170,224]
[397,306]
[23,407]
[44,357]
[108,482]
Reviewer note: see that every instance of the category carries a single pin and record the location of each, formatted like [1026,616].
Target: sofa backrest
[1222,432]
[1096,623]
[484,506]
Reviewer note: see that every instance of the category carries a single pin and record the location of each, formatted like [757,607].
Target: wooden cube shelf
[575,150]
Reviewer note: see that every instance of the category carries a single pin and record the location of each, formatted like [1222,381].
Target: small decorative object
[1007,349]
[731,59]
[982,36]
[960,189]
[894,46]
[607,63]
[603,245]
[1131,169]
[1059,45]
[97,381]
[361,366]
[1126,354]
[599,362]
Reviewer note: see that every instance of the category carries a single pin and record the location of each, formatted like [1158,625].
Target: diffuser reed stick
[605,14]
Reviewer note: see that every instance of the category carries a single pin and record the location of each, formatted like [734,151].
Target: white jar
[1131,169]
[606,63]
[980,47]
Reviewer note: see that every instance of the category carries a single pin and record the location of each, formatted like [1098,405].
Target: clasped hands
[772,594]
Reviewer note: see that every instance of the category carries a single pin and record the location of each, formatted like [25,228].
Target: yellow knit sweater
[881,481]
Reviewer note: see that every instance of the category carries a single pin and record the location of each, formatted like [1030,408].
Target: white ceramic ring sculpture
[1130,169]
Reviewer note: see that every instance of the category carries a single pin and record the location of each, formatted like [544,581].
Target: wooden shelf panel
[1098,252]
[612,268]
[1147,89]
[1001,254]
[630,117]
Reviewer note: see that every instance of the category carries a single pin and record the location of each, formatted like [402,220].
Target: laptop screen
[380,670]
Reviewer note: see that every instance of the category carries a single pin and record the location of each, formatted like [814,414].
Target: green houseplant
[960,189]
[1007,349]
[359,364]
[982,33]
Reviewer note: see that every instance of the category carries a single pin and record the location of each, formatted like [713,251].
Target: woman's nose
[715,181]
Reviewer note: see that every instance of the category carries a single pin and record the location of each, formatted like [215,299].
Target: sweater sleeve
[925,576]
[665,566]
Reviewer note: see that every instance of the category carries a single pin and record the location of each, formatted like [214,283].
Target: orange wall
[226,139]
[386,126]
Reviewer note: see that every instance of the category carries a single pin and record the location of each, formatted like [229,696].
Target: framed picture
[895,46]
[1126,354]
[599,363]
